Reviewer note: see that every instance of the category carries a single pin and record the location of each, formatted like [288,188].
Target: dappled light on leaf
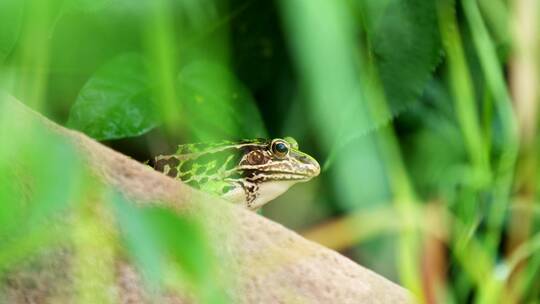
[116,101]
[216,104]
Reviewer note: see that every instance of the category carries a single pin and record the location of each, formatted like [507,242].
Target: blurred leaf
[37,185]
[216,104]
[115,102]
[89,5]
[330,68]
[140,238]
[260,52]
[156,236]
[11,16]
[405,47]
[40,176]
[436,158]
[185,242]
[93,264]
[405,44]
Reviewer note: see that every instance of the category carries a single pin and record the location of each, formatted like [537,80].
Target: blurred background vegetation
[423,115]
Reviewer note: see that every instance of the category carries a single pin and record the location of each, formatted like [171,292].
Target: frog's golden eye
[280,148]
[255,158]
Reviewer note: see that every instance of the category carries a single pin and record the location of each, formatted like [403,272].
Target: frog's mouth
[304,170]
[277,175]
[296,175]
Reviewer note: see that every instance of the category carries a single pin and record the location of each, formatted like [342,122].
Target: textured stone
[266,262]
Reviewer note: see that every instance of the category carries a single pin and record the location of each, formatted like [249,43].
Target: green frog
[247,172]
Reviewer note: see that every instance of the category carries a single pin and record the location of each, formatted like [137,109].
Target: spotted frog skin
[247,172]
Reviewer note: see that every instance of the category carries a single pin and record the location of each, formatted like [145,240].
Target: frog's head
[277,160]
[273,166]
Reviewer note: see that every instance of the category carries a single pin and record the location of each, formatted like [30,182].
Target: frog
[249,172]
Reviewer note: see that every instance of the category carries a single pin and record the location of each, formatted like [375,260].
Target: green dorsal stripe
[209,147]
[200,168]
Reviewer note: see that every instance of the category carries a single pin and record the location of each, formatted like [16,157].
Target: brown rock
[267,262]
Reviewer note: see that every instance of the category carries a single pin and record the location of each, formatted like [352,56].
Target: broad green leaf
[405,44]
[216,104]
[11,18]
[116,101]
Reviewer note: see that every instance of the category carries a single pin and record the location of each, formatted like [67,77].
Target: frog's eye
[280,148]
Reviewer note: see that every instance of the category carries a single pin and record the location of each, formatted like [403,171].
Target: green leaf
[216,104]
[35,185]
[405,44]
[11,16]
[116,101]
[157,236]
[405,48]
[89,5]
[40,177]
[140,238]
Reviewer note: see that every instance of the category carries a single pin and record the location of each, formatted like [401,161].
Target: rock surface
[268,262]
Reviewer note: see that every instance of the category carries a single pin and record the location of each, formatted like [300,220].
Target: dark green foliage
[216,105]
[404,42]
[116,102]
